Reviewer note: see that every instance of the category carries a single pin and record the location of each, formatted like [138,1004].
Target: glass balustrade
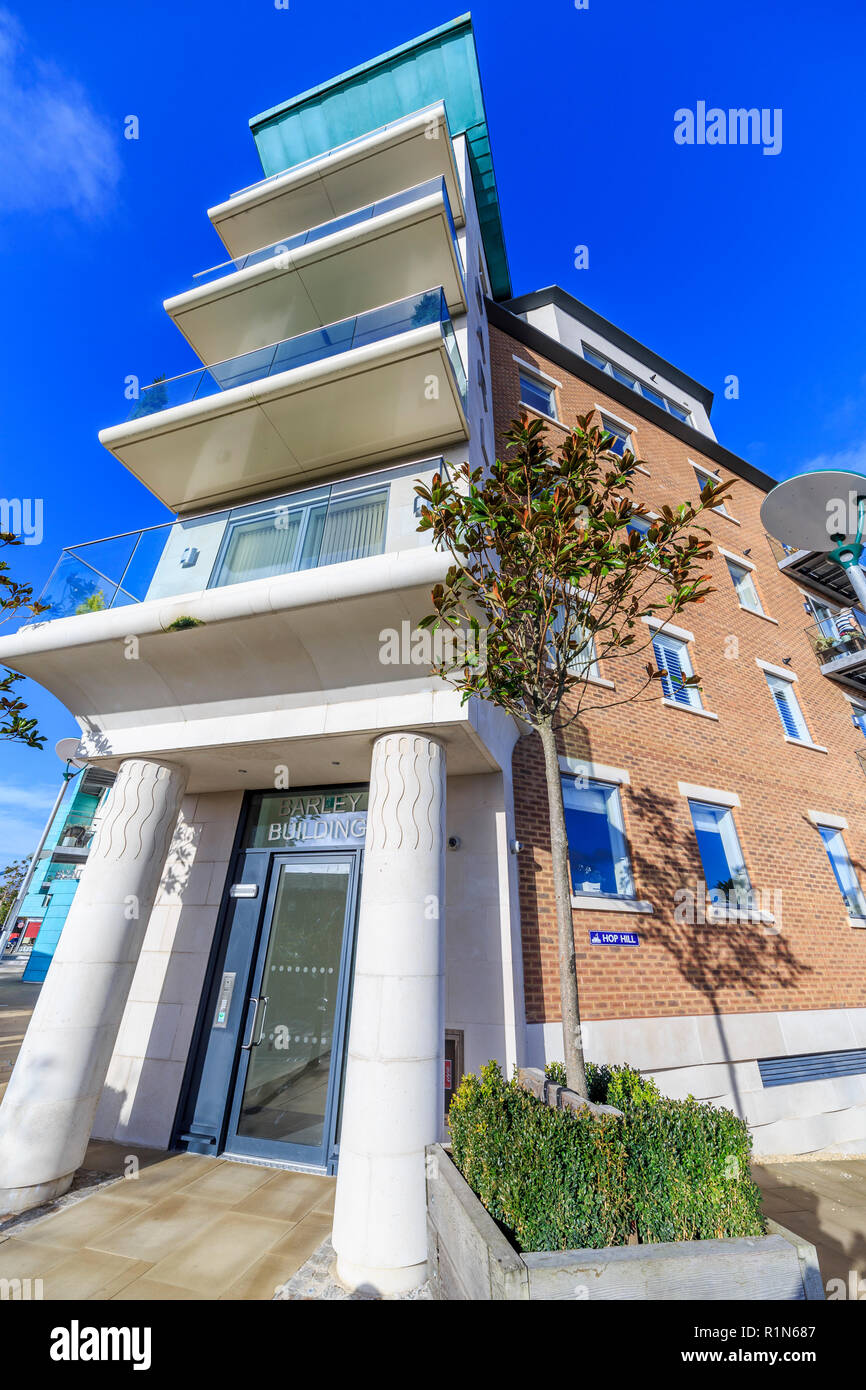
[337,224]
[337,151]
[371,327]
[347,520]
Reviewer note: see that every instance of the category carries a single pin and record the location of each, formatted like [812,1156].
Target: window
[641,388]
[586,659]
[483,384]
[846,876]
[858,714]
[597,849]
[745,586]
[704,476]
[823,613]
[672,657]
[719,847]
[621,438]
[788,706]
[537,395]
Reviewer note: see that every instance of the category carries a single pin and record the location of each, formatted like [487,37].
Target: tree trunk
[575,1070]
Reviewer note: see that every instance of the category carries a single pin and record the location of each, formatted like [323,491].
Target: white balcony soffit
[294,659]
[386,258]
[386,162]
[372,404]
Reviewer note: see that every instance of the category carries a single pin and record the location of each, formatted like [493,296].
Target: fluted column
[394,1090]
[47,1112]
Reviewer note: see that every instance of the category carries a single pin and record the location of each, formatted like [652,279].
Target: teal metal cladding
[441,65]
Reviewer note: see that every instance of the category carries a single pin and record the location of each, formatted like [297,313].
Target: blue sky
[724,260]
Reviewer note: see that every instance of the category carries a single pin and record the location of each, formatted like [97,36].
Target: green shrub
[561,1179]
[619,1086]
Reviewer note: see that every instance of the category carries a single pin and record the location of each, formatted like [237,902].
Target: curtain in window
[354,527]
[259,548]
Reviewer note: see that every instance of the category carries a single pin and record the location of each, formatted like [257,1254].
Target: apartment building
[319,890]
[42,912]
[717,835]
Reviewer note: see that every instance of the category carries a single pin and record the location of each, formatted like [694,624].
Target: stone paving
[185,1227]
[823,1200]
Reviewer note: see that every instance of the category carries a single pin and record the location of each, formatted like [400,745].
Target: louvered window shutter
[668,659]
[786,714]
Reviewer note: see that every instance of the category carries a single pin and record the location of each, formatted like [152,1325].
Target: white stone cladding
[147,1066]
[715,1058]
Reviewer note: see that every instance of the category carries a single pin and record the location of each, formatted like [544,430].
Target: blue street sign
[614,938]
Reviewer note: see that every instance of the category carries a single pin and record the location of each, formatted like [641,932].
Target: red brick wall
[816,960]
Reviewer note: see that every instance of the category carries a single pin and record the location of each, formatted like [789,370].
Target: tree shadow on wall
[737,966]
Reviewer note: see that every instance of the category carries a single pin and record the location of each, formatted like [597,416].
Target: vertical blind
[322,533]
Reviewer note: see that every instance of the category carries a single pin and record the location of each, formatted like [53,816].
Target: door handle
[265,999]
[245,1047]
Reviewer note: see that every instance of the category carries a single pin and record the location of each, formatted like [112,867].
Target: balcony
[383,385]
[350,520]
[376,165]
[815,569]
[839,643]
[379,253]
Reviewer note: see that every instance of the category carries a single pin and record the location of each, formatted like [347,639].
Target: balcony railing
[327,525]
[370,327]
[338,150]
[841,635]
[336,224]
[780,550]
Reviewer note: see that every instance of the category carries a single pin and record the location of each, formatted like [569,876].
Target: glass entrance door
[288,1082]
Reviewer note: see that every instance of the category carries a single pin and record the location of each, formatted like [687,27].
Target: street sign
[614,938]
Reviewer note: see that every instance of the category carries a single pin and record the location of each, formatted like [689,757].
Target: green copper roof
[439,66]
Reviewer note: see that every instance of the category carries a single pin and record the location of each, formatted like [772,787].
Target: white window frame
[545,383]
[838,824]
[608,419]
[684,640]
[728,833]
[642,386]
[782,676]
[614,779]
[746,573]
[701,471]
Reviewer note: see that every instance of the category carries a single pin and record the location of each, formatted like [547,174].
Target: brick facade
[817,960]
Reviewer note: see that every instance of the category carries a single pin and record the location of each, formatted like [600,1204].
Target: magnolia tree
[15,727]
[553,569]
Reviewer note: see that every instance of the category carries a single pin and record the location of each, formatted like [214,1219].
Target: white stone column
[394,1094]
[47,1112]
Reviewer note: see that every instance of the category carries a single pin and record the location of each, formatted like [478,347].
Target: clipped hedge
[566,1180]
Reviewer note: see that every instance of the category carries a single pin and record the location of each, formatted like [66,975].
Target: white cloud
[23,813]
[56,154]
[853,460]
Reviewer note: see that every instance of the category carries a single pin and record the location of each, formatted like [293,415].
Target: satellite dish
[68,750]
[813,510]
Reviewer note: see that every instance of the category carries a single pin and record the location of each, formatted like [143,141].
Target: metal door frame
[325,1157]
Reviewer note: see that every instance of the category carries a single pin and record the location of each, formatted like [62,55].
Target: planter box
[470,1258]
